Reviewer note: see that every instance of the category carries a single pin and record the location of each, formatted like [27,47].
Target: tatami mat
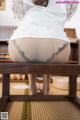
[43,111]
[54,111]
[15,110]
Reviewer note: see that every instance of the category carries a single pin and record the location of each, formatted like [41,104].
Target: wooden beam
[39,97]
[72,86]
[24,68]
[3,103]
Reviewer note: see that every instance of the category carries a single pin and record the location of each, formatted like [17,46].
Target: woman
[41,37]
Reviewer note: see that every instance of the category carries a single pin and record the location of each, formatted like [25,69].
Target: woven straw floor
[43,111]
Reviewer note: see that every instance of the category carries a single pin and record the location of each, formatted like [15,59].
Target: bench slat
[56,69]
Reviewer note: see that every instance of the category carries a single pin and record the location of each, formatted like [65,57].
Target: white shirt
[43,22]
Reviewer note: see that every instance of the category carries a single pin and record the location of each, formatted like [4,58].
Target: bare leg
[32,83]
[46,78]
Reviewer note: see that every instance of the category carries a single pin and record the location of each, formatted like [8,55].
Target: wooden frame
[71,70]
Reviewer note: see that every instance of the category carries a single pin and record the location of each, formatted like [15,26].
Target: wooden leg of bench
[3,103]
[77,102]
[6,85]
[72,86]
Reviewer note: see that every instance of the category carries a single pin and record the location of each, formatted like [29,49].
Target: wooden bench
[71,70]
